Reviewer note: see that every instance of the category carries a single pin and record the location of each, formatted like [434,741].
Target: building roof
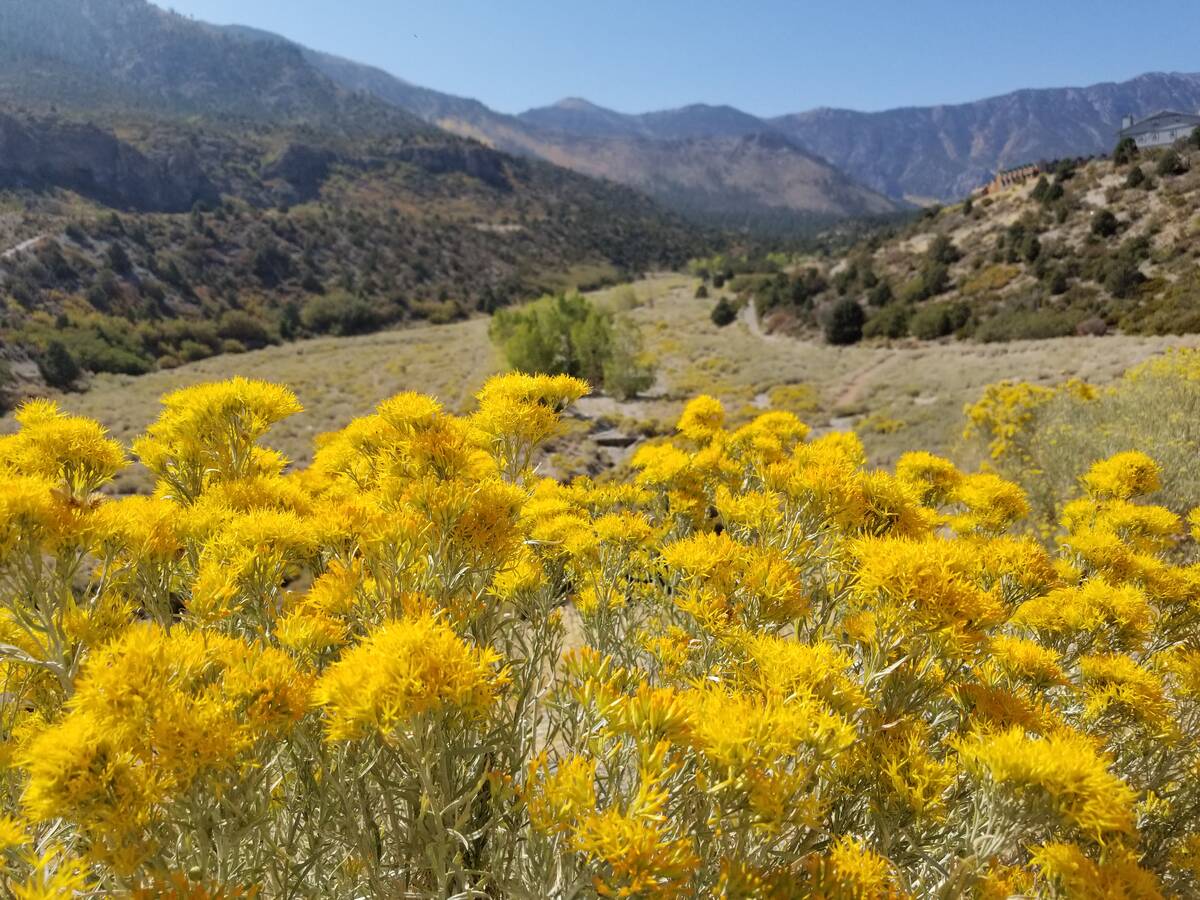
[1159,121]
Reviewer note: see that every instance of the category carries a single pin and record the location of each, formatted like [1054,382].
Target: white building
[1159,130]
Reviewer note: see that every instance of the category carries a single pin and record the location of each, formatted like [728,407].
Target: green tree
[939,320]
[943,251]
[881,294]
[58,367]
[890,322]
[723,313]
[1105,224]
[845,323]
[1125,152]
[626,371]
[569,335]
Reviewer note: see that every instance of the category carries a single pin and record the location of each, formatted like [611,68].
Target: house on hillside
[1159,130]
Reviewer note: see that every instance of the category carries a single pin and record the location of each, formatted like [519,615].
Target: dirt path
[856,383]
[749,317]
[23,246]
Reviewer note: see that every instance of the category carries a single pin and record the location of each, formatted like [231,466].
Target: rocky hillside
[756,179]
[109,55]
[1092,246]
[713,163]
[170,191]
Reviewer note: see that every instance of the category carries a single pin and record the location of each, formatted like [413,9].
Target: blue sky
[765,56]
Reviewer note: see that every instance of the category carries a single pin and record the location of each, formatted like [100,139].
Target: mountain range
[860,163]
[715,162]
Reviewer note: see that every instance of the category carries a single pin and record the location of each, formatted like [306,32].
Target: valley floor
[898,398]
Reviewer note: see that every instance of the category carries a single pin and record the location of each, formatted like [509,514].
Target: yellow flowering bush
[752,668]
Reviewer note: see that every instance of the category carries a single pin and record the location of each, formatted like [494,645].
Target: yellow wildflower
[405,668]
[1063,771]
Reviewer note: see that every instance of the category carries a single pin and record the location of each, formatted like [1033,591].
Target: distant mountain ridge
[924,153]
[943,152]
[921,154]
[712,162]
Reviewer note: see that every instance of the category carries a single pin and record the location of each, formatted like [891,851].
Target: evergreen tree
[845,323]
[58,367]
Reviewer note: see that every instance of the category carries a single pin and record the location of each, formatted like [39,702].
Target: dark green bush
[58,367]
[1122,276]
[238,325]
[1169,164]
[339,313]
[938,320]
[723,313]
[943,251]
[1105,224]
[702,291]
[845,323]
[890,322]
[1018,325]
[1125,152]
[881,294]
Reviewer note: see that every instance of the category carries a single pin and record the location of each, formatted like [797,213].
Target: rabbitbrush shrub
[753,668]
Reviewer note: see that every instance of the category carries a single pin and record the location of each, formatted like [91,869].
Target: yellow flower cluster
[754,667]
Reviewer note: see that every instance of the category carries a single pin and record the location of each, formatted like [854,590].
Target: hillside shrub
[990,279]
[1126,152]
[1026,325]
[937,320]
[1105,224]
[1170,163]
[723,313]
[338,312]
[783,674]
[844,323]
[889,322]
[238,325]
[1122,276]
[932,280]
[881,294]
[58,367]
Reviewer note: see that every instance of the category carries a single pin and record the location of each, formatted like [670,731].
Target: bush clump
[570,335]
[844,323]
[58,367]
[723,313]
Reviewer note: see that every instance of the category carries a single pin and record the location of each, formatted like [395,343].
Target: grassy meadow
[898,397]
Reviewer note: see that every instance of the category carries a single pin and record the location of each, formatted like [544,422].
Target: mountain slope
[751,179]
[173,191]
[944,152]
[115,54]
[584,119]
[1094,246]
[713,163]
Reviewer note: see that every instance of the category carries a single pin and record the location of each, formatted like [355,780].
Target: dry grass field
[898,397]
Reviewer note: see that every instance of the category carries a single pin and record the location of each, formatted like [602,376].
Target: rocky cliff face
[43,154]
